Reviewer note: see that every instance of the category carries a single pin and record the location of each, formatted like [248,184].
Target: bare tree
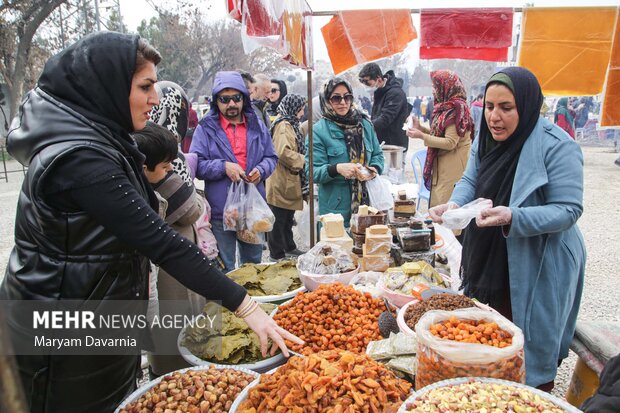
[19,22]
[473,73]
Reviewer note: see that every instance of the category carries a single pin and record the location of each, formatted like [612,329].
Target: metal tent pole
[310,160]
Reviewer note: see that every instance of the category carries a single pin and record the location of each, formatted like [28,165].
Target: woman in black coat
[86,225]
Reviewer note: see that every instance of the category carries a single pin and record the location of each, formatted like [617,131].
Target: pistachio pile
[482,397]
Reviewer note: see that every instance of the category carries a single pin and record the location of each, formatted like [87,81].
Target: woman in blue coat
[345,143]
[525,256]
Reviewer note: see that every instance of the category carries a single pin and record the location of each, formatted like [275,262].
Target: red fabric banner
[473,34]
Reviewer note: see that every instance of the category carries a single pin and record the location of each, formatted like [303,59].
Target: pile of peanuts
[194,391]
[330,381]
[482,397]
[472,331]
[334,316]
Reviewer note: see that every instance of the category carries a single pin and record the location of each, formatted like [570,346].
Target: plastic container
[313,281]
[444,383]
[583,384]
[400,318]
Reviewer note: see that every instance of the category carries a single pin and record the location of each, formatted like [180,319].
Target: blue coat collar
[531,174]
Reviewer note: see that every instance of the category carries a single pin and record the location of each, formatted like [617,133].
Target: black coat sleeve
[112,201]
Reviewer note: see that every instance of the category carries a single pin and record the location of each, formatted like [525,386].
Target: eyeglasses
[275,90]
[227,98]
[364,81]
[336,99]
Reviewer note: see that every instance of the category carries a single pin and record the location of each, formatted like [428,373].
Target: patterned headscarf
[351,124]
[173,109]
[450,109]
[173,113]
[287,111]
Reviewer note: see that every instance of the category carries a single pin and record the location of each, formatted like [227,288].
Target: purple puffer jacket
[213,148]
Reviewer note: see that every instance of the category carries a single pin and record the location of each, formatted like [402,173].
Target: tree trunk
[11,393]
[25,33]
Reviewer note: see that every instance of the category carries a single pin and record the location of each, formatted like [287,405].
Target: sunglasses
[275,90]
[226,99]
[336,99]
[365,82]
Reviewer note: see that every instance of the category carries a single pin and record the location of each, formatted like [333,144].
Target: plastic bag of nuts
[195,390]
[441,357]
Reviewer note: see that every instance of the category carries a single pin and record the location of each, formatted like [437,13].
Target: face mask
[370,89]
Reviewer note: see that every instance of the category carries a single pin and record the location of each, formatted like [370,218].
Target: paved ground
[600,225]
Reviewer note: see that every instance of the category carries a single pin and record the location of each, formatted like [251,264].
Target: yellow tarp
[568,49]
[359,36]
[610,111]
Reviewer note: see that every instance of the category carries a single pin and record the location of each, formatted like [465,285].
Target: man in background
[390,108]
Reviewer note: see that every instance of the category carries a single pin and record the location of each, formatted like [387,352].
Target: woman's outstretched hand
[494,217]
[265,327]
[436,212]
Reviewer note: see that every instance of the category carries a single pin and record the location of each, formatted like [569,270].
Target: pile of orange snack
[334,316]
[329,381]
[472,331]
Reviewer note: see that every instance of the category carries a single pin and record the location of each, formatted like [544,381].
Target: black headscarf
[93,77]
[485,258]
[272,107]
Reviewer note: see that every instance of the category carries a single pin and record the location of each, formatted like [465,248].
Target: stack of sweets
[332,231]
[404,207]
[366,216]
[414,243]
[376,249]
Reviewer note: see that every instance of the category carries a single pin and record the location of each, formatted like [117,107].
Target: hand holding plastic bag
[380,193]
[459,218]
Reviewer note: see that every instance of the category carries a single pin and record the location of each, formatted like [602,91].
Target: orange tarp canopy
[568,49]
[610,111]
[354,37]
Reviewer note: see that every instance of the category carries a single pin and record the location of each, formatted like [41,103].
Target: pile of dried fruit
[194,391]
[335,381]
[447,302]
[472,331]
[480,397]
[334,316]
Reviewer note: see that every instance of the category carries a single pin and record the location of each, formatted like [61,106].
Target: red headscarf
[450,108]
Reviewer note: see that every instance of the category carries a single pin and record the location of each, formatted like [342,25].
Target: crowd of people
[108,191]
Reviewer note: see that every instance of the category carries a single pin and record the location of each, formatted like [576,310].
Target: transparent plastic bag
[459,218]
[234,208]
[258,215]
[366,282]
[380,193]
[325,258]
[441,359]
[303,226]
[452,249]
